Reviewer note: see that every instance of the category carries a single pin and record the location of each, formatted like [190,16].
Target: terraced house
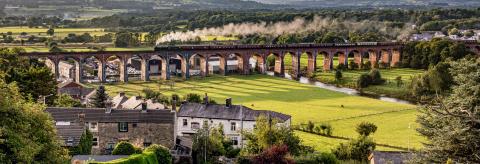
[110,126]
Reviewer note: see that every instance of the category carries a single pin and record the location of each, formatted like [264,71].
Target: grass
[303,102]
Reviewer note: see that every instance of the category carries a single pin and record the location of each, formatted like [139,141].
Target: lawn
[303,102]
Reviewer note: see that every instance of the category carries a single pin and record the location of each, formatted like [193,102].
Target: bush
[324,158]
[366,128]
[376,77]
[162,153]
[341,66]
[193,98]
[123,148]
[357,149]
[363,81]
[352,65]
[367,65]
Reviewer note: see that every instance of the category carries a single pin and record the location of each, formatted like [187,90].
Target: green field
[59,32]
[304,103]
[44,49]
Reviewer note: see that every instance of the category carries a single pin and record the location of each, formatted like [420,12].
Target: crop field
[84,49]
[303,102]
[59,32]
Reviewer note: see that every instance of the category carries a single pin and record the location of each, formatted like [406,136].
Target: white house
[234,118]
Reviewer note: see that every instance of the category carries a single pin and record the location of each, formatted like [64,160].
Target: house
[393,157]
[75,90]
[110,126]
[121,101]
[234,118]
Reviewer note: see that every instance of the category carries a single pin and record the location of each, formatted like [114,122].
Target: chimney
[138,97]
[205,99]
[108,106]
[174,105]
[144,106]
[228,102]
[122,94]
[81,118]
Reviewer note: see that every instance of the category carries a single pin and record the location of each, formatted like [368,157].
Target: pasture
[303,102]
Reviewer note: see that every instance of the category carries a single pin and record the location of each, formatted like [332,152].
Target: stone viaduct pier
[387,53]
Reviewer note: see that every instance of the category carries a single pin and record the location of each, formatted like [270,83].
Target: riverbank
[389,89]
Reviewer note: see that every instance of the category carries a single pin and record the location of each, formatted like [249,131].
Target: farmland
[304,102]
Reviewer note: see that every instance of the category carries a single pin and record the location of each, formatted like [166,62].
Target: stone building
[76,91]
[110,126]
[234,118]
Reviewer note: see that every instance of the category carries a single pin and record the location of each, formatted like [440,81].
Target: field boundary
[371,114]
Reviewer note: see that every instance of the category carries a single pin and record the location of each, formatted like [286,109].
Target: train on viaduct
[387,53]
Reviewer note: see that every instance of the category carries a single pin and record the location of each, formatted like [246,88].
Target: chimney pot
[228,102]
[144,106]
[122,94]
[174,105]
[205,99]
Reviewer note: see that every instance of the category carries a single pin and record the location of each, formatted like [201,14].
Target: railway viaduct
[387,53]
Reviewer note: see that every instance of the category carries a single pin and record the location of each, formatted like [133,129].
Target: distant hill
[339,3]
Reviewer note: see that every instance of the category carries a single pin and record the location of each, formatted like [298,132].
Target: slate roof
[135,102]
[97,158]
[73,131]
[234,112]
[118,100]
[393,157]
[116,115]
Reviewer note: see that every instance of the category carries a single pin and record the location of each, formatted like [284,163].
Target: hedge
[154,154]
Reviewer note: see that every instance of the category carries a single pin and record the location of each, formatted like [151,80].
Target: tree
[363,81]
[208,141]
[27,133]
[99,100]
[277,154]
[84,147]
[123,148]
[452,123]
[65,100]
[357,149]
[399,81]
[163,153]
[33,77]
[338,75]
[50,31]
[193,98]
[366,128]
[267,133]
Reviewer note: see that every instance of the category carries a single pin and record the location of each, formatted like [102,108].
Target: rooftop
[115,115]
[234,112]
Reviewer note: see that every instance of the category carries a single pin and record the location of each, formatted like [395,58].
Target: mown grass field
[59,32]
[304,103]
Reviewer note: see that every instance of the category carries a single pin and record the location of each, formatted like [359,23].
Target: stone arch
[217,64]
[256,63]
[156,67]
[116,68]
[396,57]
[135,66]
[70,68]
[385,57]
[51,63]
[354,56]
[311,64]
[236,63]
[93,69]
[181,65]
[340,57]
[291,62]
[198,65]
[275,63]
[327,60]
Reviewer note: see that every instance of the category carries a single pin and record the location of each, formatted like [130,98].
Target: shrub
[310,126]
[324,158]
[366,128]
[274,154]
[376,77]
[338,75]
[363,81]
[123,148]
[341,66]
[357,149]
[193,98]
[162,153]
[367,65]
[352,65]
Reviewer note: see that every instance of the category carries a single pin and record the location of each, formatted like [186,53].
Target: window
[233,126]
[147,144]
[93,126]
[234,140]
[123,127]
[110,146]
[70,141]
[95,142]
[62,123]
[195,125]
[185,122]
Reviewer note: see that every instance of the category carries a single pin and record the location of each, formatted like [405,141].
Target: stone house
[110,126]
[76,91]
[121,101]
[234,118]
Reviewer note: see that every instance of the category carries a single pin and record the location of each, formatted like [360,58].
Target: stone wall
[154,133]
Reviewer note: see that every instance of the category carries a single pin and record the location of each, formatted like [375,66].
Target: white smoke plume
[298,25]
